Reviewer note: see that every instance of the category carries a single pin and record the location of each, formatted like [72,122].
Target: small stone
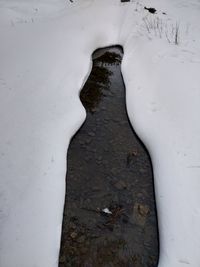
[73,235]
[95,188]
[91,134]
[140,213]
[62,259]
[150,9]
[120,185]
[143,210]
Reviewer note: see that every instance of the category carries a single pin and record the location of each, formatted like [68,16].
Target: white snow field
[45,58]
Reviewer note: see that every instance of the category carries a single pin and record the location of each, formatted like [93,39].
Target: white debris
[106,210]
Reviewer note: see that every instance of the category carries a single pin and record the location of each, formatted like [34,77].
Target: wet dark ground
[108,167]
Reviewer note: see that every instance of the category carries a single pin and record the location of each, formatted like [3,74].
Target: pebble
[120,185]
[62,259]
[140,213]
[91,134]
[73,235]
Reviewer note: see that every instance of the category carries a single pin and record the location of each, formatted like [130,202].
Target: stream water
[109,215]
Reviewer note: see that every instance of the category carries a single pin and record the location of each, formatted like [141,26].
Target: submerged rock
[140,213]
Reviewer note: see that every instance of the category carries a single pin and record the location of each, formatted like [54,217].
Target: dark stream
[108,167]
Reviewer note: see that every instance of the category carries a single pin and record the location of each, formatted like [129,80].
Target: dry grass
[162,29]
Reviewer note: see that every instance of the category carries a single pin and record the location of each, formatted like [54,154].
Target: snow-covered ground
[45,58]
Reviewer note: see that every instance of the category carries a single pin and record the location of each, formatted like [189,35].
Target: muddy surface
[109,216]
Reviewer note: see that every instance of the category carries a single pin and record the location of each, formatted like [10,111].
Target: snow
[45,53]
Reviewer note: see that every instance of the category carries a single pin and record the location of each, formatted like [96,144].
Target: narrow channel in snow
[109,214]
[45,59]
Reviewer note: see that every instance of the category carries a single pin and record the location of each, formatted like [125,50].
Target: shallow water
[108,167]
